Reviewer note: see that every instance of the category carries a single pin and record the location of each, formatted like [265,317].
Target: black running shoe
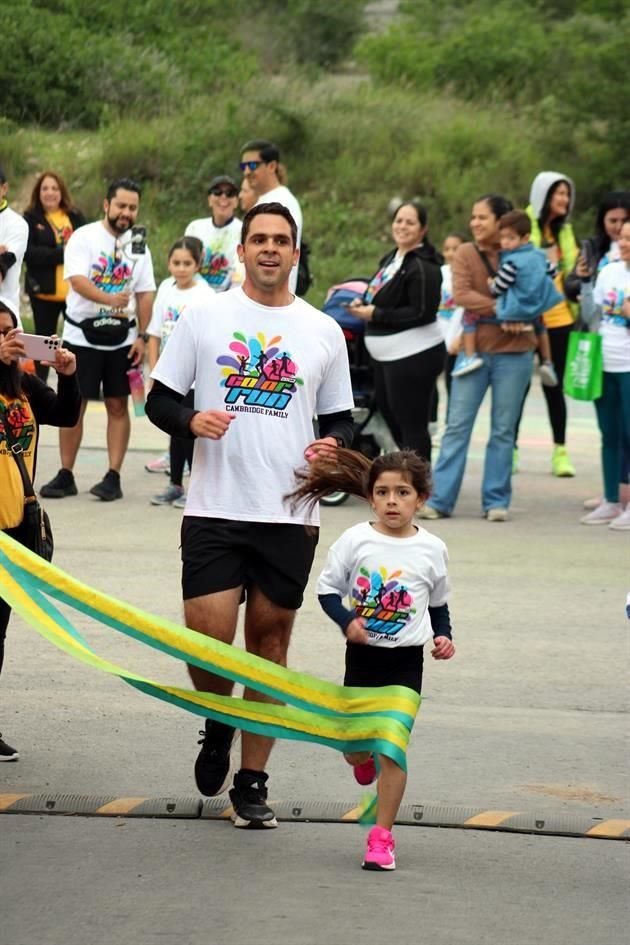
[108,488]
[60,486]
[212,767]
[6,752]
[249,800]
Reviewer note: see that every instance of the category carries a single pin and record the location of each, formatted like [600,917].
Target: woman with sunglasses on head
[220,234]
[52,218]
[26,402]
[403,337]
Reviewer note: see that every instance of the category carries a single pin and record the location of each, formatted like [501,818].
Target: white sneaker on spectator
[497,514]
[622,522]
[605,513]
[548,376]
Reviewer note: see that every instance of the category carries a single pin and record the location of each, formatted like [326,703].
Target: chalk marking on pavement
[578,824]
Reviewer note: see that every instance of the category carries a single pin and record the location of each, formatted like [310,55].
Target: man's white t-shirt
[107,262]
[283,195]
[220,266]
[390,582]
[170,304]
[611,290]
[274,369]
[13,235]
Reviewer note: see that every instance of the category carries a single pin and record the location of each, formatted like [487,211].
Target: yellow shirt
[561,314]
[17,416]
[62,228]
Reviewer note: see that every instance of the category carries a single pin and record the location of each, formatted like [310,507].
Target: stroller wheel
[335,498]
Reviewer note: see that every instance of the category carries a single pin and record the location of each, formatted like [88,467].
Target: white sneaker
[548,376]
[604,513]
[497,515]
[622,522]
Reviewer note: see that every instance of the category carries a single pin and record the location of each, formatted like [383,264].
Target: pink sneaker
[379,850]
[365,773]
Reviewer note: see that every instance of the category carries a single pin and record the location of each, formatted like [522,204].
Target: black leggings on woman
[404,393]
[45,320]
[181,448]
[556,404]
[5,610]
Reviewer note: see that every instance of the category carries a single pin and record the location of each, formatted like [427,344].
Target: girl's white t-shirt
[274,369]
[220,267]
[170,304]
[611,290]
[390,582]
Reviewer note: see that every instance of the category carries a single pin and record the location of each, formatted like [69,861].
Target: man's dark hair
[516,220]
[274,208]
[122,183]
[268,151]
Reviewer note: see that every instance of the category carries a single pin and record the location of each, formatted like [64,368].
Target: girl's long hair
[352,472]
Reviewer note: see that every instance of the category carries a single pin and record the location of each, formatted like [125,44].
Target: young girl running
[182,288]
[395,575]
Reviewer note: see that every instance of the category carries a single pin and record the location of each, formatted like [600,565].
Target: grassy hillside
[351,142]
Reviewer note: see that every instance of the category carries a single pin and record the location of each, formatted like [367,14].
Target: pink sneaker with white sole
[379,850]
[365,773]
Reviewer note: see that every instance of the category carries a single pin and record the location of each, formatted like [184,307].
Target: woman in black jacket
[403,337]
[25,403]
[51,219]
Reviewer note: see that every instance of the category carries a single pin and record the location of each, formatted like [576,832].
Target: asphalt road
[531,715]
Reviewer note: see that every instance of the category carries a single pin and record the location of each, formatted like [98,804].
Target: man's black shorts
[218,554]
[377,666]
[96,367]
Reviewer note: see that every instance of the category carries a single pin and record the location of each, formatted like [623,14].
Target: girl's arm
[61,409]
[444,647]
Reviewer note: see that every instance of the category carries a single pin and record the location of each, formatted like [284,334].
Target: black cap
[221,181]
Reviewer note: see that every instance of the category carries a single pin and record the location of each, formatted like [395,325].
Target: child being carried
[523,288]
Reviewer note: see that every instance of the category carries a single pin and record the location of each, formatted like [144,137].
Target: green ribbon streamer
[348,719]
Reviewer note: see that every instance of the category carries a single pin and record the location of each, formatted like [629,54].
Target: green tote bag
[584,370]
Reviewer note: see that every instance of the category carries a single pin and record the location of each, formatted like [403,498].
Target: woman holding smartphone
[25,403]
[52,218]
[400,307]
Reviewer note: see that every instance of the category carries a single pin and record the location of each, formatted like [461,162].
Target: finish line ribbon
[349,719]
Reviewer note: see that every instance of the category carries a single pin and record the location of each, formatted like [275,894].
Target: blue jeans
[507,375]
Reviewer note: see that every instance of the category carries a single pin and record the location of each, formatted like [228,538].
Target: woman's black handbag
[35,530]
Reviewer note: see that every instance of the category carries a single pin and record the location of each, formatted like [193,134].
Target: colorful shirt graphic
[17,421]
[259,373]
[390,582]
[383,600]
[109,273]
[17,425]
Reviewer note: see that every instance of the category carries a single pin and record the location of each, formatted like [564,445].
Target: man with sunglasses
[220,234]
[260,164]
[107,313]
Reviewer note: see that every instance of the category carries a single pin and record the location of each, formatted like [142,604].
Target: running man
[238,534]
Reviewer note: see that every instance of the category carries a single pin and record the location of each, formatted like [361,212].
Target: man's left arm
[14,244]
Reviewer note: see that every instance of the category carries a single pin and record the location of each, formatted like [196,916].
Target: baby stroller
[371,434]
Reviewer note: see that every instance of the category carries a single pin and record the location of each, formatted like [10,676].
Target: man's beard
[114,224]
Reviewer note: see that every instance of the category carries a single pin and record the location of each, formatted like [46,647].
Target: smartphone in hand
[138,245]
[39,347]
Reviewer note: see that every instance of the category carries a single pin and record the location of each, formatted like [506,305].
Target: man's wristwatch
[143,336]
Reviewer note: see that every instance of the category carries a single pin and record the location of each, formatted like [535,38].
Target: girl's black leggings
[556,404]
[404,393]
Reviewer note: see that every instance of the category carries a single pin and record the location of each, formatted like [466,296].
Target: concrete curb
[320,812]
